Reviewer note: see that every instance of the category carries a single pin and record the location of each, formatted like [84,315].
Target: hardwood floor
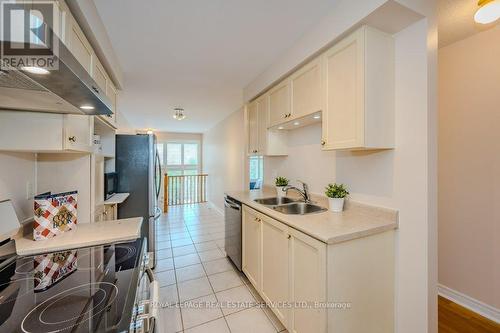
[454,318]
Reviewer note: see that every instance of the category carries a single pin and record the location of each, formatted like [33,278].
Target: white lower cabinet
[308,284]
[275,264]
[252,250]
[286,267]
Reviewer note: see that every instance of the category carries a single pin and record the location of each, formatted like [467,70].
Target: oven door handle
[154,299]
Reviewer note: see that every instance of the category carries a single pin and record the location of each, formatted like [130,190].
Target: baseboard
[217,209]
[470,303]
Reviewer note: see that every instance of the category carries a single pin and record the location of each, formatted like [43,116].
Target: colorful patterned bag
[54,214]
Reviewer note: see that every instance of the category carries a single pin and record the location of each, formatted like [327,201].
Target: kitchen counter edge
[85,235]
[358,220]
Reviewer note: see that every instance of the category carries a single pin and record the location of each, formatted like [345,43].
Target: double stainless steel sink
[290,206]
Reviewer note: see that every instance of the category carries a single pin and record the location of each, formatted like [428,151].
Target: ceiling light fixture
[179,114]
[488,12]
[35,70]
[87,107]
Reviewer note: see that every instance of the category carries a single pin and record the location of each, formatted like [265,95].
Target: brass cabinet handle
[289,236]
[323,142]
[72,138]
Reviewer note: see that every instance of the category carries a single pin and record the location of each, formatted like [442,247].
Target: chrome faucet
[304,192]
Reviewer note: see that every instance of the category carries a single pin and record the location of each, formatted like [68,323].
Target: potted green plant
[336,194]
[280,183]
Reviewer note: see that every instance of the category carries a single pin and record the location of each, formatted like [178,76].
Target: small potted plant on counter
[280,183]
[336,196]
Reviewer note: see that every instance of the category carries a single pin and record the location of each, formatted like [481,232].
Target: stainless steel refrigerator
[139,173]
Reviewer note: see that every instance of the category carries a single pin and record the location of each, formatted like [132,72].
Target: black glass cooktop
[83,290]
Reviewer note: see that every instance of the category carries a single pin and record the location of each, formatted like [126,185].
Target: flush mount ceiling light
[179,114]
[488,12]
[35,70]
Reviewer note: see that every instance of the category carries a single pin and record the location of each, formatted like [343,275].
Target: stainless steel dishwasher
[232,209]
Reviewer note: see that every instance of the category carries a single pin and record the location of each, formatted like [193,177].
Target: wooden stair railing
[184,189]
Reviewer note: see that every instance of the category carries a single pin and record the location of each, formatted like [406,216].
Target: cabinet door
[307,282]
[279,103]
[275,286]
[344,79]
[78,133]
[263,120]
[306,90]
[112,94]
[253,128]
[99,75]
[79,46]
[252,251]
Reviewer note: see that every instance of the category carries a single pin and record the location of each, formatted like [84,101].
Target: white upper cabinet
[279,103]
[253,128]
[100,77]
[112,94]
[359,80]
[78,133]
[306,90]
[45,132]
[261,140]
[79,45]
[352,84]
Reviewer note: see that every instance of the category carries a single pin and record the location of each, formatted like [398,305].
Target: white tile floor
[193,270]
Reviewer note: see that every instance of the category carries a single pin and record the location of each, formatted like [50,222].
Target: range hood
[63,90]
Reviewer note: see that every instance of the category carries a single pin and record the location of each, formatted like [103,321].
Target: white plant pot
[336,204]
[279,191]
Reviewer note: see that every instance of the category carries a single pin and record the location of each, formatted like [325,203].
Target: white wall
[224,157]
[64,173]
[469,164]
[305,161]
[16,169]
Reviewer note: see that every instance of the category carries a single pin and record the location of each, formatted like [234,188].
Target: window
[183,158]
[256,172]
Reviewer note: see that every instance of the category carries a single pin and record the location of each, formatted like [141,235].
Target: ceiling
[456,21]
[198,54]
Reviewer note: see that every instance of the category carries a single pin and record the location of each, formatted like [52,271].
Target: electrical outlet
[30,190]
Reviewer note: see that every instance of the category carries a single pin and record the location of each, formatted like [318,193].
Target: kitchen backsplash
[305,161]
[17,178]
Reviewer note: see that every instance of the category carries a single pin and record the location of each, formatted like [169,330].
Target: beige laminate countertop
[356,221]
[85,235]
